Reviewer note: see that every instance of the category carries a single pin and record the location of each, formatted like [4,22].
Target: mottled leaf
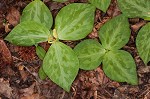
[60,0]
[40,52]
[115,33]
[101,4]
[28,33]
[135,8]
[37,11]
[143,43]
[75,21]
[120,66]
[90,54]
[42,74]
[61,65]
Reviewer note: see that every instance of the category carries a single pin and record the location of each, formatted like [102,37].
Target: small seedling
[118,65]
[73,22]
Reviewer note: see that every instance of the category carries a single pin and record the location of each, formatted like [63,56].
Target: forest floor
[19,65]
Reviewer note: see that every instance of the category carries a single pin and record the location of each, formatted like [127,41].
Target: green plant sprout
[73,22]
[118,65]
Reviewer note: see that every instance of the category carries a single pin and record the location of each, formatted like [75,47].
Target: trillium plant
[74,22]
[117,64]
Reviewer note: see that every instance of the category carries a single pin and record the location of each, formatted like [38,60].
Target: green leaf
[37,11]
[135,8]
[115,33]
[90,54]
[42,74]
[40,52]
[28,34]
[60,0]
[101,4]
[120,66]
[143,43]
[61,65]
[75,21]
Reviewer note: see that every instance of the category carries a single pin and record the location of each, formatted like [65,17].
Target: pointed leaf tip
[37,11]
[28,33]
[119,65]
[61,65]
[75,21]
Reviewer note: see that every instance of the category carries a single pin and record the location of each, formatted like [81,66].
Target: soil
[19,65]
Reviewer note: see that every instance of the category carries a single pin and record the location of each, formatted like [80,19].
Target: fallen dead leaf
[113,9]
[99,25]
[101,77]
[137,26]
[122,89]
[94,34]
[98,16]
[56,5]
[7,29]
[119,95]
[13,16]
[24,75]
[33,96]
[27,53]
[133,89]
[113,84]
[1,19]
[4,51]
[5,88]
[144,69]
[26,92]
[134,20]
